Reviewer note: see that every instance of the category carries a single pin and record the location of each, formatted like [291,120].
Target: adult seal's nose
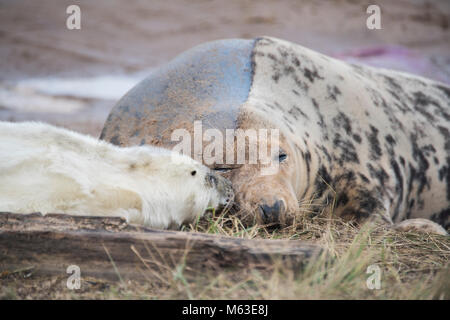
[272,213]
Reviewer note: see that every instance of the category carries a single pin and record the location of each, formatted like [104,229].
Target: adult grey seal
[365,141]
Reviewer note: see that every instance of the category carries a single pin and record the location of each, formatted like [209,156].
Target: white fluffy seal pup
[53,170]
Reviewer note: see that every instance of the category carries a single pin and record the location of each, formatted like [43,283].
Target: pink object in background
[401,59]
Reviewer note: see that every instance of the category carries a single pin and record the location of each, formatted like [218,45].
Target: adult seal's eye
[282,157]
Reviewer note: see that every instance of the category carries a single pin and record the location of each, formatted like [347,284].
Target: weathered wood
[109,248]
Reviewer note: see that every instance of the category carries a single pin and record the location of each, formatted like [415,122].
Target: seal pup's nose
[271,214]
[224,188]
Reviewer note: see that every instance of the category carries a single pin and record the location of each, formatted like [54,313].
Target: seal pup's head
[175,189]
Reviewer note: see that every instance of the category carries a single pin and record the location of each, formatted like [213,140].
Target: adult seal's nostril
[271,214]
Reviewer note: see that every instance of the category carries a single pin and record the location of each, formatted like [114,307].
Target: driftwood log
[108,248]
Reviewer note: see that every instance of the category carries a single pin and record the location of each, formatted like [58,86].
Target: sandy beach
[73,78]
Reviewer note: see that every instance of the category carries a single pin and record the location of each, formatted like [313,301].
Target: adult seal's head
[209,85]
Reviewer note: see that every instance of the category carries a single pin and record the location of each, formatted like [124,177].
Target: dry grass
[413,266]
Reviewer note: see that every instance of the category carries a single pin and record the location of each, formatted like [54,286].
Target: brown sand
[127,36]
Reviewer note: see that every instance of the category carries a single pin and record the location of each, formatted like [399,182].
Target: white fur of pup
[53,170]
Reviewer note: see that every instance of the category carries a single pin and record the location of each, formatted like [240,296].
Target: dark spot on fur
[333,92]
[364,178]
[311,75]
[308,160]
[289,69]
[278,106]
[442,218]
[295,61]
[375,148]
[398,187]
[307,157]
[369,204]
[443,173]
[325,151]
[423,100]
[444,176]
[445,90]
[321,122]
[393,84]
[446,135]
[348,151]
[348,177]
[295,111]
[301,84]
[323,181]
[357,68]
[342,121]
[378,174]
[402,161]
[115,140]
[420,157]
[270,106]
[276,77]
[342,200]
[411,177]
[390,139]
[423,103]
[290,128]
[315,104]
[410,208]
[357,138]
[272,57]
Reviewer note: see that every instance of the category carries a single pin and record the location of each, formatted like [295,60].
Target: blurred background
[73,78]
